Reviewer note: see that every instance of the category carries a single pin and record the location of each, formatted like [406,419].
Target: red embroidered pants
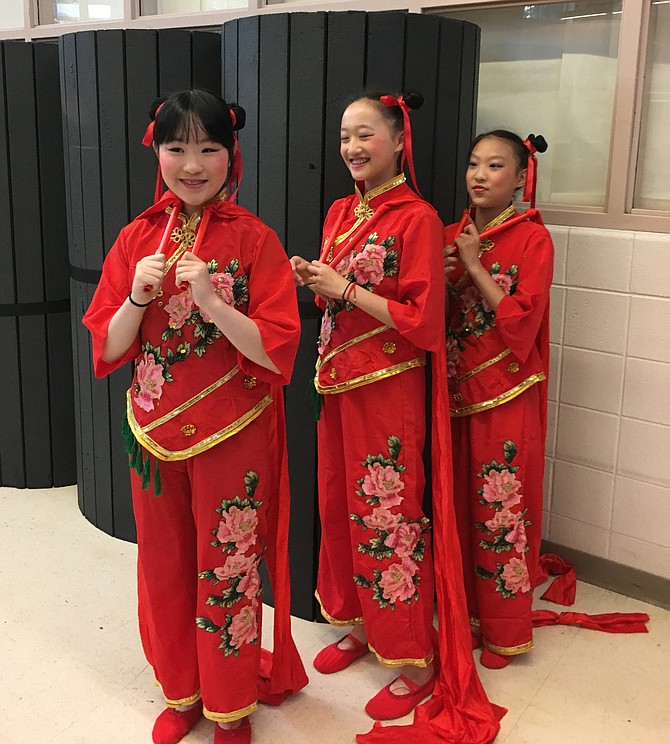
[199,545]
[498,485]
[375,564]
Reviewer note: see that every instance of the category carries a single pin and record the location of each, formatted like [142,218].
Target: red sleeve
[519,316]
[274,308]
[418,313]
[110,294]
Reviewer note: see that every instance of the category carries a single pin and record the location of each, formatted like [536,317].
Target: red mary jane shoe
[333,658]
[386,705]
[172,725]
[239,735]
[491,660]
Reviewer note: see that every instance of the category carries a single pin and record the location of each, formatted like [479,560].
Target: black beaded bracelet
[139,304]
[346,289]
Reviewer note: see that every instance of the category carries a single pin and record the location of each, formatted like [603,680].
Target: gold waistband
[480,367]
[499,399]
[348,344]
[368,378]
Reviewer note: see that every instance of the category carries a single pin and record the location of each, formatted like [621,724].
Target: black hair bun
[538,142]
[239,118]
[154,107]
[413,99]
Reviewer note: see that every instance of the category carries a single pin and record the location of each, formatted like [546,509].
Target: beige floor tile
[71,661]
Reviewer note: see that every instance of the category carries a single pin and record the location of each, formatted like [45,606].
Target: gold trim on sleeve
[395,663]
[370,377]
[169,455]
[499,399]
[192,401]
[334,621]
[481,366]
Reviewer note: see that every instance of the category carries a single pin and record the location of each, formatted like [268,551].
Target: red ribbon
[148,141]
[407,131]
[531,174]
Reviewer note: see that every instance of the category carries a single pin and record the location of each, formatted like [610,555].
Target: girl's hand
[300,270]
[193,271]
[468,246]
[325,281]
[148,277]
[450,260]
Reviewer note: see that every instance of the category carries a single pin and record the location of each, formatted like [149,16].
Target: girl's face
[194,170]
[493,175]
[368,145]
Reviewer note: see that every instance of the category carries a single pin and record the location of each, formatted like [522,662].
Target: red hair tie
[148,141]
[407,132]
[531,174]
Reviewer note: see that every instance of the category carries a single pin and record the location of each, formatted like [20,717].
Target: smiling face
[194,169]
[368,144]
[493,176]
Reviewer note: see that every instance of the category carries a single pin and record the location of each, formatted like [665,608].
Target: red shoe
[239,735]
[333,658]
[386,705]
[491,660]
[172,725]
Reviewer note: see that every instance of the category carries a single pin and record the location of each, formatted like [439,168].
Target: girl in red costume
[199,293]
[379,283]
[499,265]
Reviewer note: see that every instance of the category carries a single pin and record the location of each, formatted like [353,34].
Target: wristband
[346,289]
[139,304]
[349,294]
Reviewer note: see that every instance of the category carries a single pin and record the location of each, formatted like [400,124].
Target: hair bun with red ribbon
[238,116]
[538,142]
[413,99]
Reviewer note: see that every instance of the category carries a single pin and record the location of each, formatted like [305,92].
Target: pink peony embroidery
[469,298]
[396,582]
[238,526]
[502,486]
[383,482]
[342,267]
[327,325]
[235,565]
[223,287]
[515,576]
[382,519]
[504,282]
[368,265]
[149,379]
[250,584]
[179,308]
[244,626]
[404,539]
[453,357]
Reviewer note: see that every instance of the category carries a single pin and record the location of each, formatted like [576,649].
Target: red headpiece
[407,132]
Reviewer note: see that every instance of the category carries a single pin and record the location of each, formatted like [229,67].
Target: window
[73,11]
[161,7]
[652,183]
[551,70]
[12,14]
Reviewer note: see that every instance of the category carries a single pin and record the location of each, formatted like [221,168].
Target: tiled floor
[72,671]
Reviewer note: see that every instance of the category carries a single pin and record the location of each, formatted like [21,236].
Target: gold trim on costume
[195,399]
[363,210]
[481,366]
[228,717]
[380,374]
[499,399]
[508,650]
[348,344]
[169,455]
[334,621]
[395,663]
[475,622]
[182,701]
[504,215]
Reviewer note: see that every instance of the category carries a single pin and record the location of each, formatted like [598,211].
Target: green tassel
[158,486]
[146,473]
[315,399]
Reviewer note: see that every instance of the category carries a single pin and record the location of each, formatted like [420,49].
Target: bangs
[194,116]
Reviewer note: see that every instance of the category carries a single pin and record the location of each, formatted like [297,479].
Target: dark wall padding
[37,436]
